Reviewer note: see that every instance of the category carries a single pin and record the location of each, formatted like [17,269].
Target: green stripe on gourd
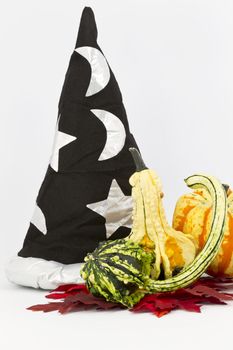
[120,270]
[204,258]
[116,271]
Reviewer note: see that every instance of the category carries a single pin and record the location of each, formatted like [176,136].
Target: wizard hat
[85,196]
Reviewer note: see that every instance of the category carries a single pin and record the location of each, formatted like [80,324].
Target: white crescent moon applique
[116,209]
[38,220]
[100,72]
[61,139]
[115,133]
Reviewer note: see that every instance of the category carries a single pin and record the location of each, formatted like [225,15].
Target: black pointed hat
[85,195]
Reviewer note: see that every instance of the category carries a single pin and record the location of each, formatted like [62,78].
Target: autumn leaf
[207,290]
[80,301]
[64,291]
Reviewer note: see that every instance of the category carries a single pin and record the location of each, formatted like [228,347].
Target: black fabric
[73,230]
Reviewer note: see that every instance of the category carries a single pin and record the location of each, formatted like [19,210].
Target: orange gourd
[192,216]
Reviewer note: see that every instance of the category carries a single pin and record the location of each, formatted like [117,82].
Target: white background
[174,63]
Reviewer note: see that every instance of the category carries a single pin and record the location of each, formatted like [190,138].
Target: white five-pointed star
[38,220]
[116,209]
[61,139]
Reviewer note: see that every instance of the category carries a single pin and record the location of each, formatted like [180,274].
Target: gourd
[192,215]
[173,250]
[124,270]
[118,270]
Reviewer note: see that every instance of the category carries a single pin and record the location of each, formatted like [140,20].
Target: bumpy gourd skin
[118,270]
[173,250]
[118,277]
[192,215]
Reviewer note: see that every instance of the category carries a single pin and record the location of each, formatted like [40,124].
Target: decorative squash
[173,250]
[124,270]
[192,215]
[114,265]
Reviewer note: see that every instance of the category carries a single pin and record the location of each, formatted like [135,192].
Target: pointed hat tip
[87,30]
[87,10]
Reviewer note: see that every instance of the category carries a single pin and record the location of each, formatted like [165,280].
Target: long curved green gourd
[204,258]
[192,272]
[120,270]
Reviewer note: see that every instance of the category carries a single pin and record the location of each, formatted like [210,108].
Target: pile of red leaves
[207,290]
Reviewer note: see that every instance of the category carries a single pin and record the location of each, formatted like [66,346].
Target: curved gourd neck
[192,272]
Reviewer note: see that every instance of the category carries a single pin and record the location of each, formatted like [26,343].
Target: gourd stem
[226,187]
[139,163]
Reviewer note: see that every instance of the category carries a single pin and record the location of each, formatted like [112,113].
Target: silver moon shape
[100,73]
[115,133]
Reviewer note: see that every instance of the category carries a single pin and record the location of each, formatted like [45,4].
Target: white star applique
[116,209]
[38,220]
[61,139]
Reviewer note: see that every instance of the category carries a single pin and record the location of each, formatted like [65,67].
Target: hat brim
[40,273]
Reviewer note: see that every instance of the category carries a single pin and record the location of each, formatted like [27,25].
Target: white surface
[173,61]
[24,329]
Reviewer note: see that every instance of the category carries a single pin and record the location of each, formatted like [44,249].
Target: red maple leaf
[79,301]
[206,290]
[64,291]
